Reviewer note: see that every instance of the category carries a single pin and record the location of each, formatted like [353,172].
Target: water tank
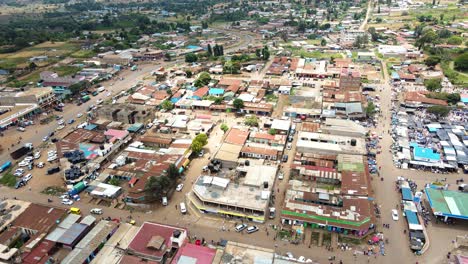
[353,142]
[265,184]
[247,162]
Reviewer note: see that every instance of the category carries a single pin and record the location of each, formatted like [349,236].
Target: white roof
[246,97]
[217,181]
[106,190]
[280,124]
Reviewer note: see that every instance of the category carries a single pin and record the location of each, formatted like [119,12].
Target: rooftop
[448,203]
[333,144]
[236,136]
[191,253]
[247,254]
[40,218]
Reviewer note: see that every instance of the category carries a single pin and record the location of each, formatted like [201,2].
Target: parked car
[201,153]
[21,129]
[40,165]
[285,158]
[53,170]
[67,201]
[394,215]
[23,163]
[27,177]
[289,146]
[97,211]
[45,138]
[280,175]
[79,115]
[240,227]
[19,172]
[19,184]
[99,101]
[252,229]
[179,187]
[37,155]
[52,158]
[71,121]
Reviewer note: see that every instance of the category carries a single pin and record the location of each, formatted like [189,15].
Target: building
[228,153]
[194,254]
[343,127]
[91,244]
[59,84]
[127,114]
[448,204]
[157,242]
[43,97]
[247,199]
[350,80]
[113,251]
[309,142]
[342,207]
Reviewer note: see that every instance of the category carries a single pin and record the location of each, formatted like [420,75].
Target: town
[233,131]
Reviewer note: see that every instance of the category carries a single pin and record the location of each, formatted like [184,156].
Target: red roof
[147,232]
[201,254]
[201,92]
[133,181]
[236,136]
[39,254]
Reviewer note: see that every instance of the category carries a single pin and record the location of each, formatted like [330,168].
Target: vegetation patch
[54,190]
[8,179]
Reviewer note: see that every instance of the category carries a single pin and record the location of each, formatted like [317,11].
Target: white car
[52,158]
[37,155]
[23,163]
[108,94]
[97,211]
[60,127]
[45,138]
[280,176]
[40,165]
[394,215]
[19,172]
[60,122]
[51,152]
[27,177]
[79,115]
[67,202]
[99,101]
[29,158]
[180,187]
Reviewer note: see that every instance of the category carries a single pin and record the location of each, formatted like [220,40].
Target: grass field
[50,49]
[82,54]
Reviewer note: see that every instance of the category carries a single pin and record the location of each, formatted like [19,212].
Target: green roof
[326,219]
[349,166]
[452,203]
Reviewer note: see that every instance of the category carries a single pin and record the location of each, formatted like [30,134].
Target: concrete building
[246,197]
[350,80]
[330,144]
[343,127]
[127,114]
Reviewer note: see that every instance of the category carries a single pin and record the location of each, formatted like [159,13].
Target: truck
[77,188]
[85,98]
[5,166]
[19,153]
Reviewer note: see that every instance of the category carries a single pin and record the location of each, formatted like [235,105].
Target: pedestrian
[176,206]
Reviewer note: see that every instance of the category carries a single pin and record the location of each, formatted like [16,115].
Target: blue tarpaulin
[407,194]
[411,217]
[425,154]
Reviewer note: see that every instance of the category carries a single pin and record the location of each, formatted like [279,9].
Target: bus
[85,98]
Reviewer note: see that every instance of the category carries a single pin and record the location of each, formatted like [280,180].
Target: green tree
[153,189]
[428,36]
[172,172]
[188,73]
[203,79]
[209,50]
[323,42]
[114,181]
[439,110]
[251,121]
[272,131]
[198,142]
[224,128]
[191,57]
[32,66]
[218,100]
[433,85]
[455,40]
[265,53]
[461,62]
[238,103]
[432,61]
[167,105]
[370,109]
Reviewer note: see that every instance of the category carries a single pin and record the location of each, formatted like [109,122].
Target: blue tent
[406,194]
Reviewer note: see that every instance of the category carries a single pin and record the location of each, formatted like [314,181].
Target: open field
[50,49]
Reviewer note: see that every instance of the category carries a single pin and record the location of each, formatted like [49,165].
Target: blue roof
[216,91]
[411,217]
[464,99]
[395,75]
[407,194]
[135,127]
[426,154]
[90,127]
[193,47]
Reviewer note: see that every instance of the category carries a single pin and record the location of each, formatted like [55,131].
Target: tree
[218,100]
[169,92]
[167,105]
[188,73]
[32,66]
[224,128]
[461,62]
[432,61]
[428,36]
[370,109]
[265,53]
[272,131]
[172,172]
[251,121]
[191,57]
[114,181]
[203,79]
[439,110]
[153,189]
[455,40]
[433,85]
[210,50]
[258,53]
[238,103]
[323,42]
[198,142]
